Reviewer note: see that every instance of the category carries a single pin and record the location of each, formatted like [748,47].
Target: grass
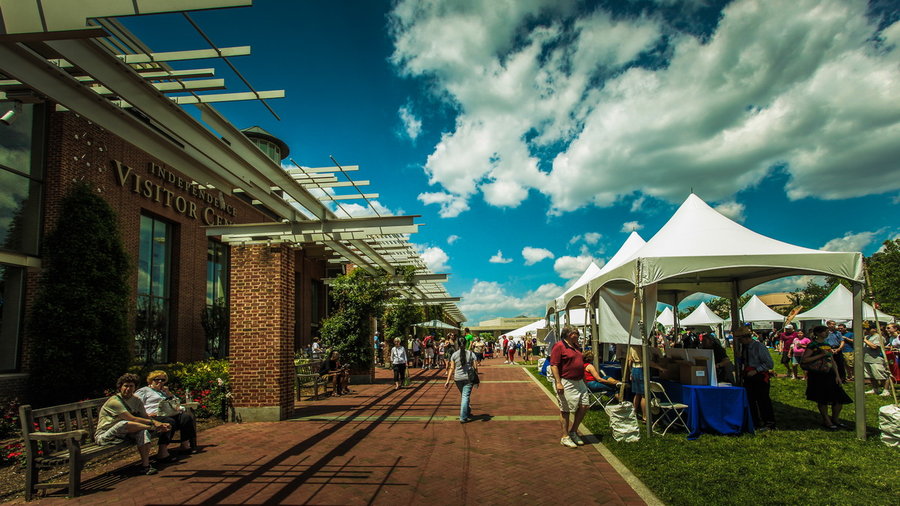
[801,463]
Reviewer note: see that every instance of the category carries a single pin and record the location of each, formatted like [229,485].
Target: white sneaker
[885,393]
[567,441]
[575,439]
[870,391]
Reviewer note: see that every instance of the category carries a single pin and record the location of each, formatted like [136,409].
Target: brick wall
[262,326]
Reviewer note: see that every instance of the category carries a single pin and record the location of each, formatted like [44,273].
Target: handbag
[821,365]
[169,407]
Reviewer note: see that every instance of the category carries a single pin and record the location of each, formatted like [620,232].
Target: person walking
[398,363]
[756,363]
[462,362]
[567,365]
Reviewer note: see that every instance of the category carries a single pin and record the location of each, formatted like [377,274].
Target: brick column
[262,331]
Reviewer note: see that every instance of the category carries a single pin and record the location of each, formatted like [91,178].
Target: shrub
[205,382]
[81,341]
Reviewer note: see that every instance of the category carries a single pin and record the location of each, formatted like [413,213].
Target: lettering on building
[168,189]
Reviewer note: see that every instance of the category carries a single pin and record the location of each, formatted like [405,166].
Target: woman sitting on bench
[123,417]
[339,374]
[162,405]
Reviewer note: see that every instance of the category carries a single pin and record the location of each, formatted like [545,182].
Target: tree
[79,325]
[722,306]
[357,298]
[400,317]
[884,276]
[813,294]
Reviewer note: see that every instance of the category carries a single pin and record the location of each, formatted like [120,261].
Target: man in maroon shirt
[567,365]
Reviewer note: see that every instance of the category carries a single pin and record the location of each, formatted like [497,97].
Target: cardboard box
[672,372]
[701,361]
[694,375]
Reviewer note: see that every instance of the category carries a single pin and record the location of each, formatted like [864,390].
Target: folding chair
[672,412]
[601,398]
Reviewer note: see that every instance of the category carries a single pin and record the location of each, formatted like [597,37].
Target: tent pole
[645,365]
[859,386]
[595,337]
[735,325]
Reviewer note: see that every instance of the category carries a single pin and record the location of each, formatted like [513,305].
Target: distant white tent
[666,318]
[703,315]
[531,327]
[839,306]
[756,311]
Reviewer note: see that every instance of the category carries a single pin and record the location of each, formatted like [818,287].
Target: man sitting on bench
[123,417]
[339,374]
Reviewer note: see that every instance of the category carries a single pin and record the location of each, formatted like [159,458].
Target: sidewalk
[380,446]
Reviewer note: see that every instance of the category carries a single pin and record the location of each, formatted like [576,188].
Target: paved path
[380,446]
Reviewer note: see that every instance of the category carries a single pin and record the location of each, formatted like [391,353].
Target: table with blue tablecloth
[716,410]
[612,369]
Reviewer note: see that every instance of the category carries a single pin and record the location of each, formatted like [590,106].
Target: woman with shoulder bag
[162,405]
[463,371]
[823,385]
[398,363]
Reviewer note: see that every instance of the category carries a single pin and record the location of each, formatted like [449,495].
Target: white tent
[700,250]
[839,306]
[578,286]
[756,311]
[666,318]
[703,315]
[531,327]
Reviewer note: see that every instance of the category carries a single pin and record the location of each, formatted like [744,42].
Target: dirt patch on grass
[12,477]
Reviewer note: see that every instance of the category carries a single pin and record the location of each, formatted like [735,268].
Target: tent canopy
[703,315]
[666,318]
[434,324]
[700,250]
[839,306]
[756,311]
[531,327]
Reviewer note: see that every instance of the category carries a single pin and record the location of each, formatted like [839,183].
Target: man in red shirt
[567,365]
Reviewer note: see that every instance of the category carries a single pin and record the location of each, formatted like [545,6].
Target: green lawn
[801,463]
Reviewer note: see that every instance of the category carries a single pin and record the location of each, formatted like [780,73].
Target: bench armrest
[58,436]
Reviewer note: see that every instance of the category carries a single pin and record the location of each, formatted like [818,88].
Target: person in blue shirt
[847,350]
[836,341]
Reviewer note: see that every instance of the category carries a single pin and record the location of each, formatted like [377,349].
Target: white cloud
[850,242]
[489,299]
[498,258]
[631,226]
[452,239]
[361,211]
[569,267]
[451,205]
[799,84]
[588,237]
[733,210]
[412,125]
[535,255]
[436,259]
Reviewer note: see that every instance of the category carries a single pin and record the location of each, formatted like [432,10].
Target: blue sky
[533,135]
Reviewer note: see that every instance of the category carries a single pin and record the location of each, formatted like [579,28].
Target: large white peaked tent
[755,310]
[666,318]
[703,315]
[700,250]
[839,306]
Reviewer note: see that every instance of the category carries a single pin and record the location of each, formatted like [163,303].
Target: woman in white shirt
[398,362]
[182,420]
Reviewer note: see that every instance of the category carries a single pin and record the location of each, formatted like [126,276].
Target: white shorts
[875,371]
[575,394]
[118,433]
[429,352]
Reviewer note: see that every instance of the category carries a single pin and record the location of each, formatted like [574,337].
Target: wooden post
[859,386]
[736,324]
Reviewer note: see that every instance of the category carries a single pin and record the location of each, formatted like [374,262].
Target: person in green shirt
[469,339]
[123,417]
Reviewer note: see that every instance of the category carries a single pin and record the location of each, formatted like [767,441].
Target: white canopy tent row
[702,315]
[666,318]
[839,306]
[680,260]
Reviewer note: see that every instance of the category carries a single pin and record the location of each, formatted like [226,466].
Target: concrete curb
[636,484]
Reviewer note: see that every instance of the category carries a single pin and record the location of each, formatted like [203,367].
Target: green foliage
[205,382]
[813,294]
[737,469]
[682,313]
[215,326]
[722,306]
[884,277]
[488,337]
[357,297]
[79,324]
[400,317]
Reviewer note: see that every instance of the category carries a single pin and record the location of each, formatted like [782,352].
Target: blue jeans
[465,388]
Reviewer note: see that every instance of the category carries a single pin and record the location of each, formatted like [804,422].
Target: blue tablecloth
[613,369]
[717,410]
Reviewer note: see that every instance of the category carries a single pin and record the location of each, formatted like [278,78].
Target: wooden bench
[63,434]
[308,377]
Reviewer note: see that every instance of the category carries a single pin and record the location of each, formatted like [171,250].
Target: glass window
[153,296]
[216,272]
[16,139]
[11,286]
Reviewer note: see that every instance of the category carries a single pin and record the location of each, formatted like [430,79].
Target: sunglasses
[158,380]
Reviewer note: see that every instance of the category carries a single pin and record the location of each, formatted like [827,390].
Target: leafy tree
[722,306]
[215,325]
[682,313]
[400,317]
[79,324]
[813,294]
[884,276]
[357,298]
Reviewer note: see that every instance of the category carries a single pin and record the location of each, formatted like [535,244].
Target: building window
[215,320]
[20,182]
[153,294]
[11,286]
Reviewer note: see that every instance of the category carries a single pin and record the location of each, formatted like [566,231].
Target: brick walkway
[380,446]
